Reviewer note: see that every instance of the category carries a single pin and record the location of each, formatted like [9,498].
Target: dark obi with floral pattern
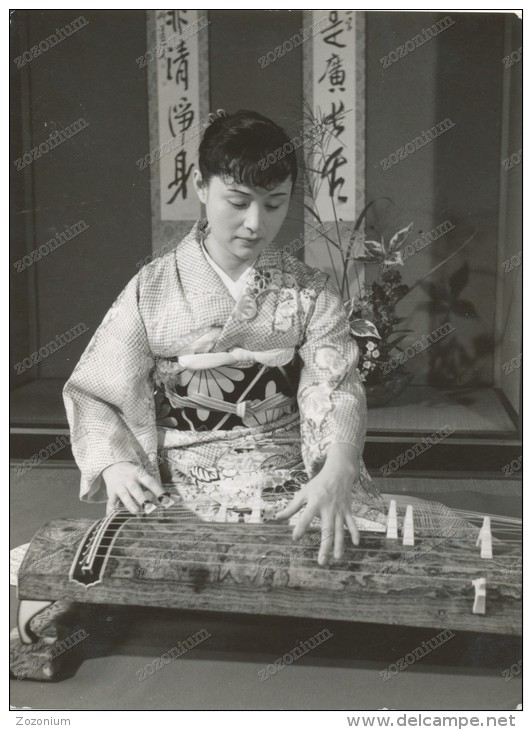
[224,397]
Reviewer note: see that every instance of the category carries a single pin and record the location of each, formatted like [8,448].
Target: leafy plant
[453,363]
[372,310]
[375,325]
[444,297]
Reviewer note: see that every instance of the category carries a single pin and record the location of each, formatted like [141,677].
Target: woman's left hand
[327,496]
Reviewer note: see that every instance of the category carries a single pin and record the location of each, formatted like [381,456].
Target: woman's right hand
[125,483]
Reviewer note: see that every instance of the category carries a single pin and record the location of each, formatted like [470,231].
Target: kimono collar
[208,299]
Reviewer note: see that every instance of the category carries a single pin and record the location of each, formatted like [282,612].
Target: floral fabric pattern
[120,394]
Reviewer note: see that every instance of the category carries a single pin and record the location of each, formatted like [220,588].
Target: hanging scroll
[178,96]
[333,92]
[334,89]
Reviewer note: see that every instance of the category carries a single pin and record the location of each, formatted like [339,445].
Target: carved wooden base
[37,649]
[33,661]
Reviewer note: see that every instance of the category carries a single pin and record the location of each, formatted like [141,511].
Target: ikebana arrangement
[373,318]
[372,308]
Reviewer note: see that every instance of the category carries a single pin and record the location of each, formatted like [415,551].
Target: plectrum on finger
[166,500]
[148,507]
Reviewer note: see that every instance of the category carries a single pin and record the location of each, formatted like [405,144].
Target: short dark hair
[235,145]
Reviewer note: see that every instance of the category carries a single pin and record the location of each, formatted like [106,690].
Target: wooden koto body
[172,559]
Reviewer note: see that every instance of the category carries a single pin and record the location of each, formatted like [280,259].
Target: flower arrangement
[371,311]
[374,325]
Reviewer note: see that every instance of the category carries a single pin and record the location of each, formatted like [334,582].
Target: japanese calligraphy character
[175,20]
[335,118]
[181,175]
[182,115]
[181,59]
[332,163]
[335,71]
[331,37]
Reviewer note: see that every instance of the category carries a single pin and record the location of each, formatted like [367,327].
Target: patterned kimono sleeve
[331,397]
[109,398]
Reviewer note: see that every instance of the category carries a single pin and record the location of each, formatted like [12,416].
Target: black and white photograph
[266,366]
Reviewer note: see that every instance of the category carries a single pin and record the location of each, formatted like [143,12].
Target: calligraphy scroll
[333,91]
[178,99]
[334,88]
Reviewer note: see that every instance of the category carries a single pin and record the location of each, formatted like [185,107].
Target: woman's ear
[199,186]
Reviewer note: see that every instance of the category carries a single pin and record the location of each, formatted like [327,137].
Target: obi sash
[224,397]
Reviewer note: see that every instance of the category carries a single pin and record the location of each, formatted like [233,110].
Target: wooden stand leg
[38,652]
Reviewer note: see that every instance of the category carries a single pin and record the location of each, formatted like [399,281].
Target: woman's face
[243,220]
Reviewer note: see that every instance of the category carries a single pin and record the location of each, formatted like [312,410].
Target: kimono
[232,404]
